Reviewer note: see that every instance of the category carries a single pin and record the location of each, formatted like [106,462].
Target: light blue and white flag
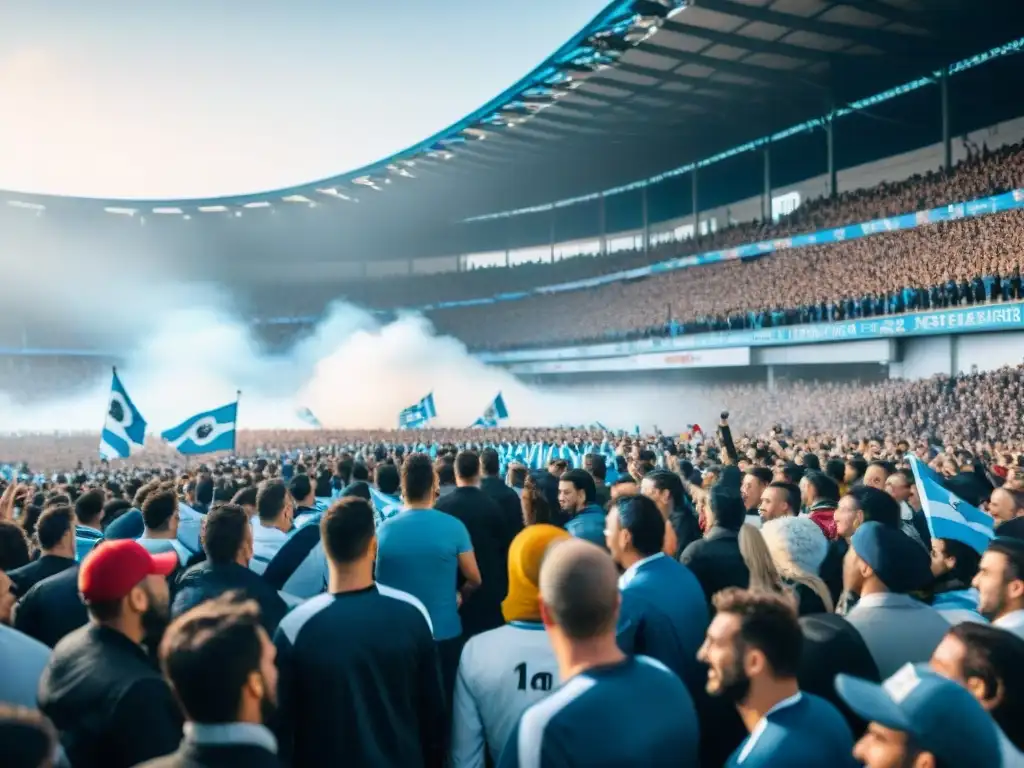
[949,516]
[495,414]
[418,415]
[124,429]
[205,432]
[307,417]
[385,506]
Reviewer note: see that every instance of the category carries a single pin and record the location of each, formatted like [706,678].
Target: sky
[197,98]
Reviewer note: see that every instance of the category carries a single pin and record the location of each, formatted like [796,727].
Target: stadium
[691,363]
[659,197]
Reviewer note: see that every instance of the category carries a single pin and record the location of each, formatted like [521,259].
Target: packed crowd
[982,173]
[959,263]
[328,598]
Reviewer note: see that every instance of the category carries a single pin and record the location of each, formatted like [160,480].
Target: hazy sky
[121,98]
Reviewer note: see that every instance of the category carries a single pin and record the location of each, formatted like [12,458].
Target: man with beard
[577,498]
[954,564]
[100,689]
[220,664]
[1000,584]
[752,650]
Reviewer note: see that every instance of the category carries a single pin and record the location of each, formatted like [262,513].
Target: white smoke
[186,348]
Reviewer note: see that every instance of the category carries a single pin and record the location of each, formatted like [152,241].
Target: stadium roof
[647,86]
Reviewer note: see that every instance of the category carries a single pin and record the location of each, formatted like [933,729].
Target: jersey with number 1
[502,672]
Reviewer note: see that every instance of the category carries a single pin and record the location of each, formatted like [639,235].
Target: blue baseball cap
[900,562]
[941,716]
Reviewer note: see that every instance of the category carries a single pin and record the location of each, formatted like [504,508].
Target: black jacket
[487,532]
[52,608]
[107,699]
[508,502]
[207,581]
[226,755]
[686,527]
[716,561]
[26,577]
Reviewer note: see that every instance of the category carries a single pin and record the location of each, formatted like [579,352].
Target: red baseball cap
[113,568]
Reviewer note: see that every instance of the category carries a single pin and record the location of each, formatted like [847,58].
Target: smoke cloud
[187,347]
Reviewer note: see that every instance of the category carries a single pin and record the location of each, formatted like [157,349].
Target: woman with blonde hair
[763,575]
[798,547]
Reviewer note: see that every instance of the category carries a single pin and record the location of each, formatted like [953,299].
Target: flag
[417,416]
[949,516]
[205,432]
[306,416]
[124,428]
[495,414]
[386,506]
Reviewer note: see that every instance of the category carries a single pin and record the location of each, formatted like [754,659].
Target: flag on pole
[205,432]
[418,415]
[124,429]
[307,417]
[949,516]
[495,414]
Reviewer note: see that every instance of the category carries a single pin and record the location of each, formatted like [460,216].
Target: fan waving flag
[419,415]
[124,428]
[205,432]
[495,414]
[306,415]
[949,516]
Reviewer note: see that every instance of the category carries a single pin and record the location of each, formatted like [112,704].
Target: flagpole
[234,432]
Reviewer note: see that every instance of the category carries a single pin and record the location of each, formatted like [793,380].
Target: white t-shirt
[502,672]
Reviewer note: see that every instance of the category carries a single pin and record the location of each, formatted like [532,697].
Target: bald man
[611,709]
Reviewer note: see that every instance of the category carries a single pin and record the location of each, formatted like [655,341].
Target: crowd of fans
[772,598]
[981,174]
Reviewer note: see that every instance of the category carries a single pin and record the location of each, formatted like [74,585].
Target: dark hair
[467,465]
[582,481]
[445,472]
[664,480]
[811,461]
[343,469]
[792,472]
[14,549]
[824,486]
[57,500]
[113,509]
[300,487]
[536,508]
[160,505]
[142,494]
[596,465]
[28,737]
[245,497]
[560,466]
[1013,550]
[89,507]
[836,469]
[226,528]
[860,466]
[347,528]
[53,525]
[763,475]
[208,654]
[792,494]
[271,499]
[490,462]
[360,472]
[996,657]
[876,505]
[768,622]
[641,517]
[29,518]
[204,491]
[1016,496]
[967,560]
[887,466]
[518,474]
[417,478]
[389,480]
